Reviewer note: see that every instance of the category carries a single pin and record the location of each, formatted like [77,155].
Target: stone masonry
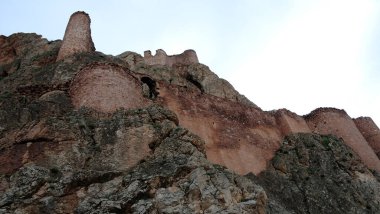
[161,58]
[77,37]
[370,132]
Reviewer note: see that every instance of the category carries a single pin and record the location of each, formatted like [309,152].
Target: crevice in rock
[153,93]
[193,81]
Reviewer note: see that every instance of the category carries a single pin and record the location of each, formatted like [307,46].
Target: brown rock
[370,132]
[237,136]
[77,37]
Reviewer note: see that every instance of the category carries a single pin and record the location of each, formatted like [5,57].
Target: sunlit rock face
[106,88]
[77,37]
[96,133]
[237,136]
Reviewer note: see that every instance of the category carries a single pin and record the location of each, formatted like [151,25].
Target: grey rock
[319,174]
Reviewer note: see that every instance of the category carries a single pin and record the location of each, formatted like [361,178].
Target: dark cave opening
[153,93]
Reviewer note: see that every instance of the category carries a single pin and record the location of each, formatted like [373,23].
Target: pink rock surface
[237,136]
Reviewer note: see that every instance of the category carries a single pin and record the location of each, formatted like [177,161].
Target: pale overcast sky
[294,54]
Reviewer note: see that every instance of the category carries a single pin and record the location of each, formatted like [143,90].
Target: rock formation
[318,174]
[85,132]
[77,37]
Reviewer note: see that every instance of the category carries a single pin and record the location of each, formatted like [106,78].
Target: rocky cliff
[85,132]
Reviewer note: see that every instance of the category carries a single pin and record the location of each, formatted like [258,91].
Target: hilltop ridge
[73,118]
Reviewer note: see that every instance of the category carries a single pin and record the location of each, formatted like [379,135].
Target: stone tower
[77,37]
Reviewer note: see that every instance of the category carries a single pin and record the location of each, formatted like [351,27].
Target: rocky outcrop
[136,161]
[20,50]
[319,174]
[94,133]
[77,37]
[370,132]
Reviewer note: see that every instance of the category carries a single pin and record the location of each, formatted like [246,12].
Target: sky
[294,54]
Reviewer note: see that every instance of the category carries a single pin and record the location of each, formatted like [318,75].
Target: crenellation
[161,58]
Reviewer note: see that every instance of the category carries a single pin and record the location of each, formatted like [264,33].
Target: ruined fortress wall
[338,123]
[161,58]
[106,88]
[290,122]
[237,136]
[77,37]
[370,132]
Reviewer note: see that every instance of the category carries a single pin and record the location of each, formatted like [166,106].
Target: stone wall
[290,123]
[161,58]
[106,88]
[370,132]
[77,37]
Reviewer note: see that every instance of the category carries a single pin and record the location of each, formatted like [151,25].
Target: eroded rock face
[338,123]
[237,136]
[106,88]
[319,174]
[95,133]
[25,49]
[232,128]
[77,37]
[136,161]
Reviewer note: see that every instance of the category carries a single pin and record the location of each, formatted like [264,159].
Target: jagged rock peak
[77,37]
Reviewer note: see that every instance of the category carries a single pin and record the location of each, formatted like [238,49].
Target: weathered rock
[319,174]
[94,133]
[237,136]
[130,162]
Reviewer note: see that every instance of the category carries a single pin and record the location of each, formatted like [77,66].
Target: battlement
[161,58]
[77,37]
